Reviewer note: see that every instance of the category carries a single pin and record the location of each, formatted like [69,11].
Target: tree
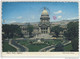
[72,34]
[11,31]
[72,29]
[30,30]
[75,44]
[57,30]
[59,47]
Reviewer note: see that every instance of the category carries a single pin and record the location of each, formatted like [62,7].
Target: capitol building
[44,25]
[42,28]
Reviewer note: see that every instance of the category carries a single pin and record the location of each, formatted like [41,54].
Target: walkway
[19,47]
[47,49]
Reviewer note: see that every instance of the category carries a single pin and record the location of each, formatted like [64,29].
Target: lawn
[32,47]
[68,47]
[53,41]
[6,47]
[36,47]
[23,42]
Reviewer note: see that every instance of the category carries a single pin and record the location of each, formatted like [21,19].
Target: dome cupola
[44,15]
[44,12]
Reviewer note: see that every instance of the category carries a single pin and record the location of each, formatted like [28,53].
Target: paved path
[21,48]
[50,49]
[13,46]
[67,43]
[47,49]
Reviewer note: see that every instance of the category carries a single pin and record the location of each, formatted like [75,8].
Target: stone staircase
[45,36]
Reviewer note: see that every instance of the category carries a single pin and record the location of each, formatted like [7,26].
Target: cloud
[73,18]
[24,22]
[20,17]
[12,21]
[59,17]
[58,12]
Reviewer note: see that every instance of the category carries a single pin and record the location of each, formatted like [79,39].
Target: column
[39,30]
[48,29]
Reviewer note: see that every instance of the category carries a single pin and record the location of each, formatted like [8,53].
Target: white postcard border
[43,54]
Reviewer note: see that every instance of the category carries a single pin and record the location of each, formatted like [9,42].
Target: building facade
[44,25]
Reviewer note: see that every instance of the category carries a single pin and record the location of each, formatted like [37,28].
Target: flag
[54,17]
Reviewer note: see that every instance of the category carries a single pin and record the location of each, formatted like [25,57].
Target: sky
[23,12]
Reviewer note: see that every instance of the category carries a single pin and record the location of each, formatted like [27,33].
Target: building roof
[44,12]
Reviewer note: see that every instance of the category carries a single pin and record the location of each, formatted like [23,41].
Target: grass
[53,41]
[23,42]
[6,47]
[36,47]
[68,47]
[32,47]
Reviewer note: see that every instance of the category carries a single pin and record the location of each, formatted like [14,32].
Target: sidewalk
[13,45]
